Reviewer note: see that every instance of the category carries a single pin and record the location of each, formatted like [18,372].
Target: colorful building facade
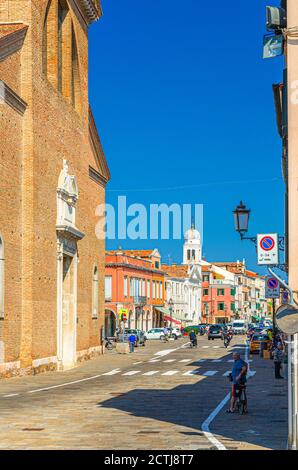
[134,284]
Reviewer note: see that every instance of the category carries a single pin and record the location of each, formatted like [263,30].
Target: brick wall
[34,146]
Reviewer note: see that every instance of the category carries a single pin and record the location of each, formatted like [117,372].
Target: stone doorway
[67,311]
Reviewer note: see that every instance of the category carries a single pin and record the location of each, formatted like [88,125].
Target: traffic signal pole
[291,52]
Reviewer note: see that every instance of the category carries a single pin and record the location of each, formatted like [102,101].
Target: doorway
[68,314]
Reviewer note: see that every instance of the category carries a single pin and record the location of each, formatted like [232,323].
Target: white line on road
[226,374]
[151,372]
[210,373]
[171,372]
[202,360]
[217,360]
[154,360]
[205,347]
[136,363]
[165,352]
[216,347]
[113,372]
[64,384]
[191,372]
[185,360]
[170,360]
[208,421]
[132,372]
[11,395]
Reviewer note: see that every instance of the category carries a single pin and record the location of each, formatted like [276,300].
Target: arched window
[1,278]
[60,61]
[95,293]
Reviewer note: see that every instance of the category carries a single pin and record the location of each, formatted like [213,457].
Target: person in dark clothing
[193,338]
[278,358]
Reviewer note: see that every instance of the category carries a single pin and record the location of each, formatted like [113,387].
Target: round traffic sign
[267,243]
[272,283]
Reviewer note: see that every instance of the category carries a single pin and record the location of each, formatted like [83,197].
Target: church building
[53,176]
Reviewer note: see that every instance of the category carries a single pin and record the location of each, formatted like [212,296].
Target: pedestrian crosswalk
[169,373]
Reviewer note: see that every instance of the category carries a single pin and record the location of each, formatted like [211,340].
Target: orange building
[134,283]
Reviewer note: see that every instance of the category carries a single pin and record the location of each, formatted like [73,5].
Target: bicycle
[164,338]
[241,399]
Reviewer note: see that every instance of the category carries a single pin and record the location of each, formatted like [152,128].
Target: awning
[172,320]
[167,315]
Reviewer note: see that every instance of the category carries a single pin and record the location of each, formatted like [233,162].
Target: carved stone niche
[67,197]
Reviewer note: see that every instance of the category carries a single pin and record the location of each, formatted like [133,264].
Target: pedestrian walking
[278,358]
[131,340]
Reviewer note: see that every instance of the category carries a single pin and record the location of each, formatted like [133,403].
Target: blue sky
[183,98]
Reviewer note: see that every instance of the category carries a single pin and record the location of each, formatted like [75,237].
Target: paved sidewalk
[265,426]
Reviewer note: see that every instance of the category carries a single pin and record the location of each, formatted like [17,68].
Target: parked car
[239,327]
[215,331]
[175,333]
[128,332]
[255,344]
[154,333]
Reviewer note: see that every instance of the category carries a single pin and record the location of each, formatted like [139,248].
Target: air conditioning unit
[276,18]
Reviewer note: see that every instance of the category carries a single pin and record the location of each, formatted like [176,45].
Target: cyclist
[228,335]
[193,338]
[238,378]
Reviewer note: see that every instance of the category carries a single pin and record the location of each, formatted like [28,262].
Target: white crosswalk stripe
[210,373]
[251,373]
[216,347]
[132,372]
[136,363]
[170,360]
[151,372]
[171,372]
[191,372]
[113,372]
[226,374]
[185,360]
[154,360]
[216,360]
[202,360]
[205,347]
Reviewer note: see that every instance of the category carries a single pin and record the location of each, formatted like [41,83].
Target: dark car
[127,333]
[215,331]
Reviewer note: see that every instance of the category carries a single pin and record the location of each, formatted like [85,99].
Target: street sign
[267,247]
[285,297]
[272,288]
[272,46]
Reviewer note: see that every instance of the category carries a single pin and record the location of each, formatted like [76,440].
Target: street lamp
[171,303]
[241,219]
[207,313]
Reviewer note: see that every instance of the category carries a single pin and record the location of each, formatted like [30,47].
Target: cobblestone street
[157,398]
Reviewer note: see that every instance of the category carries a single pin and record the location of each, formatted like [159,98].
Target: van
[239,327]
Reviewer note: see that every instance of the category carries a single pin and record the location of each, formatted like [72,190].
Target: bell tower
[192,251]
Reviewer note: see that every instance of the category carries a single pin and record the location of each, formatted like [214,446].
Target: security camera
[276,18]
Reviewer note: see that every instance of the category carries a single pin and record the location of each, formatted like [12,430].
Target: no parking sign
[272,288]
[267,248]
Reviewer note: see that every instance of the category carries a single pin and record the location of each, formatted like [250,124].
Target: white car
[154,333]
[176,333]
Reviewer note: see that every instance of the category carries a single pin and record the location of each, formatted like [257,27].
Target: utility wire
[176,188]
